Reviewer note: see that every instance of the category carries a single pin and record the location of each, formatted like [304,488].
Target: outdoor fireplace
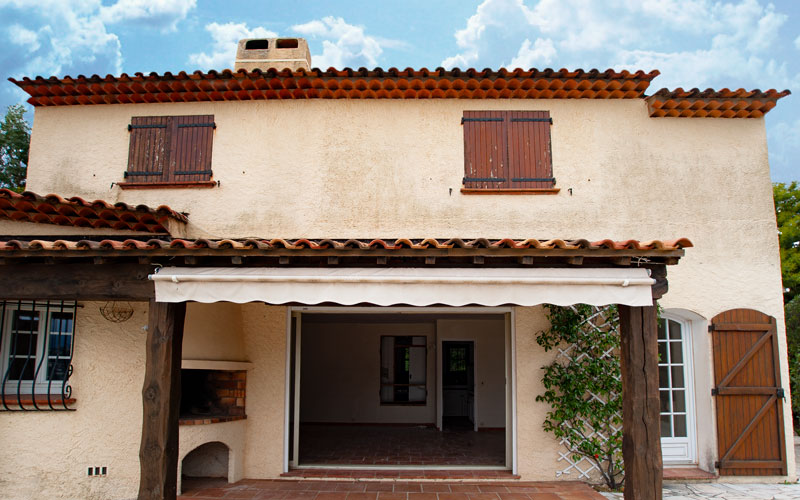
[210,396]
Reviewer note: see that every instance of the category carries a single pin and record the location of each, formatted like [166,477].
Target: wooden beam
[161,396]
[659,273]
[76,282]
[641,432]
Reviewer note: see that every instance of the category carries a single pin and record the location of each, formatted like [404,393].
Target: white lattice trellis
[583,467]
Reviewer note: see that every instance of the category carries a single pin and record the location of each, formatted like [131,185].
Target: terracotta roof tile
[712,103]
[346,83]
[77,212]
[342,245]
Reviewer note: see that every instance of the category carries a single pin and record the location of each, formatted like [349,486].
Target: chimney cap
[278,53]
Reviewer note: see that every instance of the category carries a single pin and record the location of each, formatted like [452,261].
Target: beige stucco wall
[340,380]
[342,168]
[46,454]
[214,332]
[265,343]
[537,451]
[386,168]
[15,228]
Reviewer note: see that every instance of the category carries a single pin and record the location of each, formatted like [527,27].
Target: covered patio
[412,273]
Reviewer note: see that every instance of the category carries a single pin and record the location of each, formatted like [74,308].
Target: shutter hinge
[780,393]
[714,391]
[463,120]
[548,120]
[717,464]
[482,179]
[710,328]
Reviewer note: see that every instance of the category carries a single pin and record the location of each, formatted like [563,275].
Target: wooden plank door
[748,393]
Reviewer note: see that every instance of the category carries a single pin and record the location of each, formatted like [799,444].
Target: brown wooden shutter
[192,141]
[170,149]
[148,156]
[529,158]
[485,152]
[748,393]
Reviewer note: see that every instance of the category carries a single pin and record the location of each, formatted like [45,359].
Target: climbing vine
[583,386]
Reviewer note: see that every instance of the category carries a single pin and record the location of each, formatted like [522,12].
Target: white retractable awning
[411,286]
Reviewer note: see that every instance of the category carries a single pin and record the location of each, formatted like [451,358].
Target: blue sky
[694,43]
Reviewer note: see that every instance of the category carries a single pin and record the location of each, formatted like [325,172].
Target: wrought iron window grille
[37,342]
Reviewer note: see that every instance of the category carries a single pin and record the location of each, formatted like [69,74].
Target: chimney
[278,53]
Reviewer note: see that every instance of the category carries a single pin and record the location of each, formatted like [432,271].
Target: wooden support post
[641,432]
[161,393]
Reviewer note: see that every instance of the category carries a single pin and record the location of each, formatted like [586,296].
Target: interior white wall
[340,377]
[489,338]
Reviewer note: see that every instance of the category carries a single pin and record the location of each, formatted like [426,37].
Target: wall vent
[97,471]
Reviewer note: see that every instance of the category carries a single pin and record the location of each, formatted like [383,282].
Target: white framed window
[404,370]
[36,349]
[676,390]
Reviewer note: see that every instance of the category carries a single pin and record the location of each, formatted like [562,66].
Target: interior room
[412,389]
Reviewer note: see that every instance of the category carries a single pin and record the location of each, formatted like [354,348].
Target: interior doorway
[458,385]
[375,387]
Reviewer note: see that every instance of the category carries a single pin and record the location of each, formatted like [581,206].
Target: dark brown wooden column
[158,454]
[641,429]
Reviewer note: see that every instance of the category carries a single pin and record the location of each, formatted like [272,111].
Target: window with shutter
[170,151]
[507,151]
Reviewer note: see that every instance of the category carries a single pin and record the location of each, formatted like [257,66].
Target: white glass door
[678,444]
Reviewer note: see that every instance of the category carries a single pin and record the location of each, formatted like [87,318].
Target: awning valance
[410,286]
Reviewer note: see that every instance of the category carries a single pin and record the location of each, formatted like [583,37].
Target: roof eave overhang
[431,257]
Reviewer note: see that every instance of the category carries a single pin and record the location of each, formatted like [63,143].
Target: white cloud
[692,42]
[495,26]
[797,42]
[225,38]
[72,36]
[311,28]
[542,52]
[343,44]
[69,37]
[24,37]
[163,14]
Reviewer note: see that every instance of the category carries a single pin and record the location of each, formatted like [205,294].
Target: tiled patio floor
[391,490]
[384,445]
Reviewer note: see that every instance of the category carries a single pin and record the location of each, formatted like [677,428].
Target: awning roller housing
[408,286]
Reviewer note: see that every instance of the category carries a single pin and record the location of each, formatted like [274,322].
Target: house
[316,268]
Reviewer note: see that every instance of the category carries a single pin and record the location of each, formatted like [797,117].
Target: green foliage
[585,395]
[787,212]
[15,137]
[792,311]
